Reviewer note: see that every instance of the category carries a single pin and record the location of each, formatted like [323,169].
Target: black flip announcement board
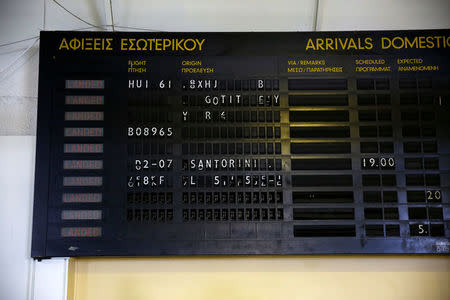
[242,143]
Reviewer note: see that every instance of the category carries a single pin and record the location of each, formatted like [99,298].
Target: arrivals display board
[158,143]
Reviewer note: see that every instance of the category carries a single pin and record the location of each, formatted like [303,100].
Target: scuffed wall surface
[18,115]
[18,93]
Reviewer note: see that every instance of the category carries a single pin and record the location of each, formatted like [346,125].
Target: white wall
[337,15]
[20,277]
[16,153]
